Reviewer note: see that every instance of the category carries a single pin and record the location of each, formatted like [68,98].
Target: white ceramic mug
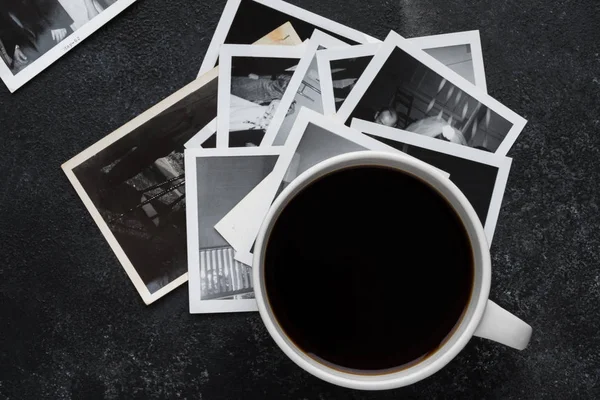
[482,318]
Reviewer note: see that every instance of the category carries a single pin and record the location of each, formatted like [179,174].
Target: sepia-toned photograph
[405,88]
[30,29]
[217,180]
[133,184]
[482,177]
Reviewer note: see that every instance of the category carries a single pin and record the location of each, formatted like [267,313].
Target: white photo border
[228,51]
[503,163]
[198,306]
[14,82]
[324,58]
[228,227]
[211,128]
[202,136]
[103,143]
[394,41]
[472,38]
[230,11]
[317,39]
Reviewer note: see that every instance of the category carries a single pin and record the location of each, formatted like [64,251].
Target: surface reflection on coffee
[368,269]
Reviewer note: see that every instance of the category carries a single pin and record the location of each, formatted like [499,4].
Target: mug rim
[464,329]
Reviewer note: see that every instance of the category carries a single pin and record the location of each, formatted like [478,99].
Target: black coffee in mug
[368,269]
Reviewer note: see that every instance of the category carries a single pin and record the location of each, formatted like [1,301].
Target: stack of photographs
[181,191]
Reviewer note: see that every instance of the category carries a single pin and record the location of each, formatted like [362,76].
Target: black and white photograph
[133,184]
[283,35]
[252,81]
[405,88]
[313,138]
[217,180]
[482,177]
[304,90]
[35,33]
[207,138]
[345,73]
[204,137]
[459,51]
[244,21]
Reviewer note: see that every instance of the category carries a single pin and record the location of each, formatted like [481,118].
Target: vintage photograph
[482,177]
[252,82]
[313,138]
[459,51]
[339,70]
[133,184]
[204,137]
[217,180]
[35,33]
[244,21]
[405,88]
[283,35]
[207,138]
[304,90]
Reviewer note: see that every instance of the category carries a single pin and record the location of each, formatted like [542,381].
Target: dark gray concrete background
[73,326]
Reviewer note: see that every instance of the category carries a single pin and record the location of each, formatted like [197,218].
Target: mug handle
[499,325]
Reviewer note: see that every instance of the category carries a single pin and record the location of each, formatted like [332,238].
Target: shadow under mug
[482,318]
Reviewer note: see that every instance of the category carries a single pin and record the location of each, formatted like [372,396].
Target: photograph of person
[406,94]
[345,72]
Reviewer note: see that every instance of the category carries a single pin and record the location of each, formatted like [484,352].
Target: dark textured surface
[72,325]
